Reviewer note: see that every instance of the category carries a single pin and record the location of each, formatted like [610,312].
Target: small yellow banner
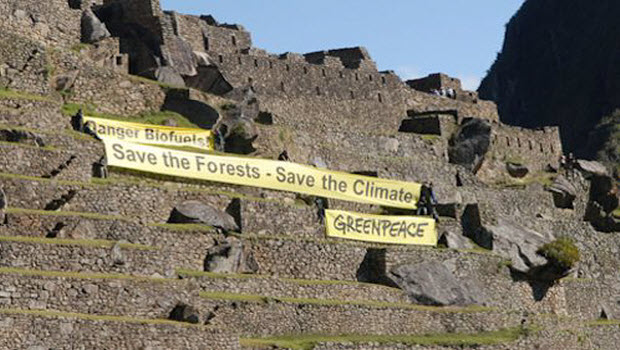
[151,134]
[276,175]
[381,229]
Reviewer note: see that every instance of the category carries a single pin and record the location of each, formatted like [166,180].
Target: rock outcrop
[553,72]
[434,284]
[470,144]
[195,212]
[93,30]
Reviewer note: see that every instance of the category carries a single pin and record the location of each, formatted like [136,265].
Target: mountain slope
[560,65]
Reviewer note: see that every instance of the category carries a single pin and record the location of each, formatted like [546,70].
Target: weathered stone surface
[185,313]
[230,256]
[195,212]
[514,242]
[391,145]
[169,75]
[202,59]
[116,255]
[93,30]
[592,167]
[65,82]
[564,193]
[470,144]
[433,284]
[517,170]
[455,241]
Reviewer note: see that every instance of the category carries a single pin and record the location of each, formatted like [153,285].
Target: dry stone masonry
[142,261]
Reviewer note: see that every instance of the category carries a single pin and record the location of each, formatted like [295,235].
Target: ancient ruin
[527,256]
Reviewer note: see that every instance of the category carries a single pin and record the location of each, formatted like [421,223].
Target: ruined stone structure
[95,263]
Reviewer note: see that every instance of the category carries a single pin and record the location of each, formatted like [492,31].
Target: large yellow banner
[151,134]
[277,175]
[381,229]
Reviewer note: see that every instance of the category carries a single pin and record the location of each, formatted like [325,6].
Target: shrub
[562,252]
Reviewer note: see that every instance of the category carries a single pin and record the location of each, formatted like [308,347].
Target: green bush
[562,252]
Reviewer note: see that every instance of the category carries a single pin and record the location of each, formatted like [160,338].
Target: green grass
[80,275]
[91,243]
[616,213]
[333,302]
[185,227]
[89,317]
[598,323]
[13,94]
[308,342]
[95,216]
[79,47]
[44,180]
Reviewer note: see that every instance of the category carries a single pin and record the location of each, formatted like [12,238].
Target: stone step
[262,316]
[94,293]
[294,288]
[97,256]
[47,329]
[131,201]
[150,297]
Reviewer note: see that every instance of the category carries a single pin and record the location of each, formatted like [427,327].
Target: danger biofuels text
[283,172]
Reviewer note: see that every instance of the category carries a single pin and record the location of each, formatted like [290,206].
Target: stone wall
[66,332]
[534,148]
[23,64]
[51,22]
[205,35]
[107,89]
[256,318]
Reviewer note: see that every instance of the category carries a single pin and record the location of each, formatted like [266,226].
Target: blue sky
[412,37]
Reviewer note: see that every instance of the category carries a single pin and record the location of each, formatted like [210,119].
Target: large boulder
[469,146]
[564,193]
[169,76]
[513,242]
[196,212]
[230,256]
[93,30]
[592,167]
[455,240]
[434,284]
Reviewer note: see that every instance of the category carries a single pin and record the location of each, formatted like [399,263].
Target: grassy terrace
[13,94]
[301,282]
[80,275]
[105,318]
[103,183]
[255,298]
[188,228]
[91,243]
[308,342]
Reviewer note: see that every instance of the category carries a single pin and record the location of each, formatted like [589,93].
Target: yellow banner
[381,229]
[151,134]
[276,175]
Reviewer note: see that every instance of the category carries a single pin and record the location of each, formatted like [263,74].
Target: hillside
[96,254]
[558,66]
